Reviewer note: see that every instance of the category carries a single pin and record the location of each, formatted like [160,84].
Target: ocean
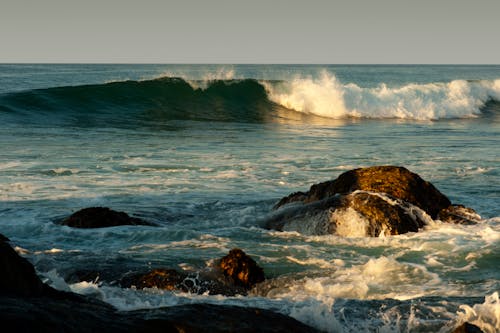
[206,151]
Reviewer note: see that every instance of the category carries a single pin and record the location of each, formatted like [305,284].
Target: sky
[251,31]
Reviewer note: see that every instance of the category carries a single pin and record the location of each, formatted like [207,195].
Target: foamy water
[327,97]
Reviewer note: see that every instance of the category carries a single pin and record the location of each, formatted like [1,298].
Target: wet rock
[397,182]
[355,214]
[234,274]
[28,305]
[373,201]
[459,214]
[168,279]
[100,217]
[85,315]
[17,276]
[242,269]
[467,328]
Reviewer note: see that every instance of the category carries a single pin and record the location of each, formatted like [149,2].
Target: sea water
[205,151]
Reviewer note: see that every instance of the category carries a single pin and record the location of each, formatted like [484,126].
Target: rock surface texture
[373,201]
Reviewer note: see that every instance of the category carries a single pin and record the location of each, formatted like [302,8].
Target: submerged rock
[168,279]
[234,274]
[100,217]
[373,201]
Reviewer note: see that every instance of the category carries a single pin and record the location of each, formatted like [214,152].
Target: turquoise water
[207,155]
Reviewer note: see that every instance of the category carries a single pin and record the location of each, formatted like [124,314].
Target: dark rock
[173,280]
[100,217]
[86,315]
[467,328]
[168,279]
[235,274]
[370,201]
[459,214]
[242,269]
[212,318]
[18,276]
[28,305]
[3,238]
[395,181]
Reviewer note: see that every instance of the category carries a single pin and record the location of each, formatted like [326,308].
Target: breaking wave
[249,100]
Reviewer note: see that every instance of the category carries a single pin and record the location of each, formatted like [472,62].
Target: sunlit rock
[374,201]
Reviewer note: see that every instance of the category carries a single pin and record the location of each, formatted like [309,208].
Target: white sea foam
[383,277]
[486,315]
[327,97]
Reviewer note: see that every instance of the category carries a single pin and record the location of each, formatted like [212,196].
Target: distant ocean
[205,151]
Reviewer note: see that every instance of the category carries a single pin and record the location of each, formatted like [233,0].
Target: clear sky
[250,31]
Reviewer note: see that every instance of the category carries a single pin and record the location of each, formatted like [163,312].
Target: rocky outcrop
[242,269]
[18,277]
[234,274]
[397,182]
[100,217]
[371,201]
[28,305]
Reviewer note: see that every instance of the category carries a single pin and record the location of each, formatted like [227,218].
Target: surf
[299,99]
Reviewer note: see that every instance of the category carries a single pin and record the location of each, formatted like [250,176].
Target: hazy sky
[250,31]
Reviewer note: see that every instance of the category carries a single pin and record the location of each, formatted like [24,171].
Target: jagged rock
[100,217]
[371,201]
[242,269]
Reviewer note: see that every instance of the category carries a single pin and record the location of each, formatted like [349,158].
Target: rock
[18,277]
[397,182]
[235,274]
[28,305]
[168,279]
[459,214]
[100,217]
[85,315]
[242,269]
[467,328]
[356,214]
[371,201]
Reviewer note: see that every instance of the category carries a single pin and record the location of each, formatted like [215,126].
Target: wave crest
[327,97]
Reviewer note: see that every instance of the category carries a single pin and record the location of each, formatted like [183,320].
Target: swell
[152,100]
[249,100]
